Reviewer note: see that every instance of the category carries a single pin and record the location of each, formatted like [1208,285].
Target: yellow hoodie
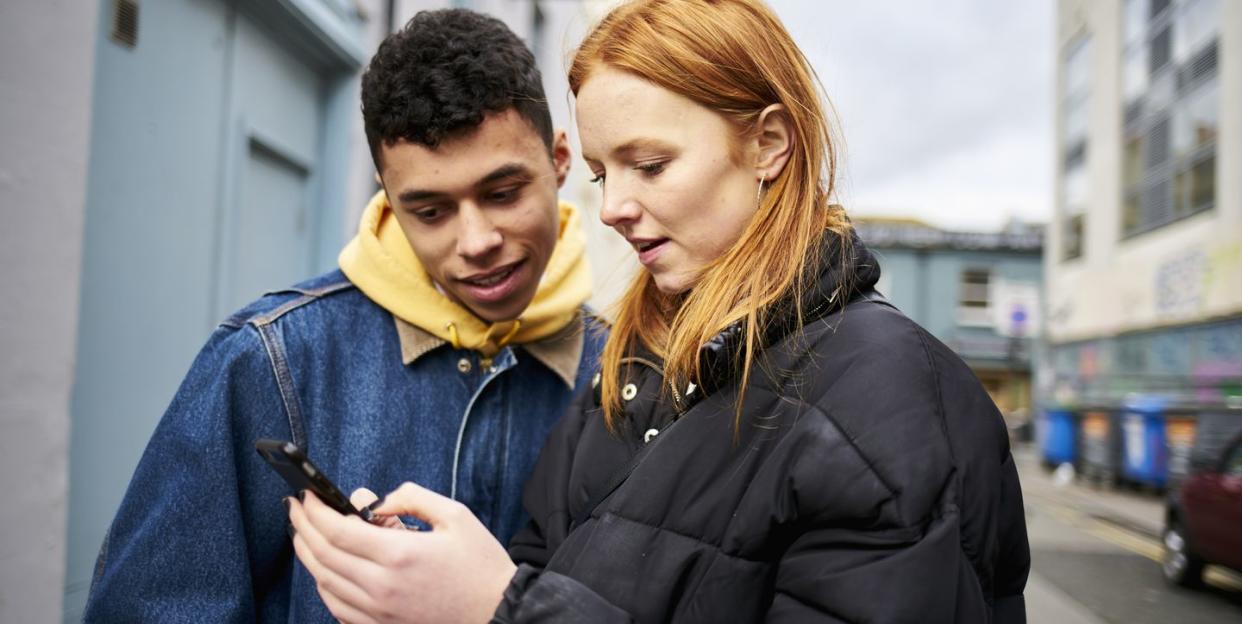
[380,262]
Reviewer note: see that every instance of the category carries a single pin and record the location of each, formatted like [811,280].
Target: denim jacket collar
[560,352]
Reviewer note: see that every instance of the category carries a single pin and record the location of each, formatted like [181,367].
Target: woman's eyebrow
[640,144]
[634,145]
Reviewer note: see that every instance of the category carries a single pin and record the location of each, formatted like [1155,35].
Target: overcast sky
[946,106]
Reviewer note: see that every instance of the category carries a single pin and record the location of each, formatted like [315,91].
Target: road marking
[1133,541]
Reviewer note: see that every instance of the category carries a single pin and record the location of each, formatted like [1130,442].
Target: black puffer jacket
[870,481]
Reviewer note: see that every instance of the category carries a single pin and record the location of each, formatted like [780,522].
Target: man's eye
[429,214]
[503,196]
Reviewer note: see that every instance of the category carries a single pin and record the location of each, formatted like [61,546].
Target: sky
[946,107]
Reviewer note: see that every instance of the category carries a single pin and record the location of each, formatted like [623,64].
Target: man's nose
[477,235]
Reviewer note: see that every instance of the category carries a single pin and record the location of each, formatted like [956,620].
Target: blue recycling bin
[1144,450]
[1058,436]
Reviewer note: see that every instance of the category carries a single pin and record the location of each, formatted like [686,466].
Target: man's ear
[562,156]
[774,142]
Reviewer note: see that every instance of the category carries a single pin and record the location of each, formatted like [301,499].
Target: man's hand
[457,572]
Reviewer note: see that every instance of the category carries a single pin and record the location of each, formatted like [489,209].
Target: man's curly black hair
[442,73]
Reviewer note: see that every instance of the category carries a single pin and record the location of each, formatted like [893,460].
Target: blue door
[203,192]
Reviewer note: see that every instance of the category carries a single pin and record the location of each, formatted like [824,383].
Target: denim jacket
[201,534]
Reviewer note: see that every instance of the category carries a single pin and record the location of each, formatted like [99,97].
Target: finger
[333,563]
[357,547]
[362,497]
[344,599]
[414,500]
[343,612]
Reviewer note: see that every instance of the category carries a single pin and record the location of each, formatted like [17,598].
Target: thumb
[362,497]
[414,500]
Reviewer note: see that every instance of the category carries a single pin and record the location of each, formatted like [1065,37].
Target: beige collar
[560,352]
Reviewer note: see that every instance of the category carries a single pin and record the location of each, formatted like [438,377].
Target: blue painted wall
[217,172]
[924,283]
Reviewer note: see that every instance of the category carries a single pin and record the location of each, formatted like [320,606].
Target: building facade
[978,292]
[165,162]
[1144,257]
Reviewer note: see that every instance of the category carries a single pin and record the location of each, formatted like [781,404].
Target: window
[1195,28]
[974,298]
[1075,112]
[1171,111]
[1075,202]
[1196,119]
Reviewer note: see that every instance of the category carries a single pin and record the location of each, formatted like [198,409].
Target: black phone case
[292,464]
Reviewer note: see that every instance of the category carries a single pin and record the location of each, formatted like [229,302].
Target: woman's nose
[619,208]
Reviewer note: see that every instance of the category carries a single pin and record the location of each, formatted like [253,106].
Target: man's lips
[492,277]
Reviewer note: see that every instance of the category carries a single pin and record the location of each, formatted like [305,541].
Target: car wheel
[1181,567]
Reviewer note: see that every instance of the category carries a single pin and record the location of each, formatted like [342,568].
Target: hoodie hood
[381,263]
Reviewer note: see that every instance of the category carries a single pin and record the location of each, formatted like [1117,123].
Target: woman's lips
[649,251]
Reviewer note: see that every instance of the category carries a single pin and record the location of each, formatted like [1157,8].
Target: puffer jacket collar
[845,275]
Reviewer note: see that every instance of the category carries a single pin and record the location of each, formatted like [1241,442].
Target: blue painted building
[979,293]
[223,161]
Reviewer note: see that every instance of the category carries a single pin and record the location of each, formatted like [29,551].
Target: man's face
[480,210]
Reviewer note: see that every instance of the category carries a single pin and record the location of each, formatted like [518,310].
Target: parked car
[1203,518]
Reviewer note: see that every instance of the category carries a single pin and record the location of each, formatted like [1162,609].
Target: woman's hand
[457,572]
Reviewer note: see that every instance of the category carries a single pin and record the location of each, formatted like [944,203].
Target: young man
[441,353]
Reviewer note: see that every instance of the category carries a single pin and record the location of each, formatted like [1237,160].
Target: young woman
[768,438]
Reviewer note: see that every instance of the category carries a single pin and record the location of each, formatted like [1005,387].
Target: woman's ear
[775,141]
[562,156]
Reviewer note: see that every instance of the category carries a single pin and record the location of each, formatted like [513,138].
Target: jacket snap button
[463,366]
[651,433]
[629,392]
[596,379]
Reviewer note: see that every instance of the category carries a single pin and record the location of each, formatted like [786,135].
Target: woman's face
[672,174]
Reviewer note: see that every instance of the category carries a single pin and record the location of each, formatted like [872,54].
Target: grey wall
[46,66]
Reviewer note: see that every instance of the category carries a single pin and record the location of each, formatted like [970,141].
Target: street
[1095,558]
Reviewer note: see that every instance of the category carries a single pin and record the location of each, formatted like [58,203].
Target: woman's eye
[652,169]
[598,179]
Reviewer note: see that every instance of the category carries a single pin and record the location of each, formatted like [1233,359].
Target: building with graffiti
[1143,264]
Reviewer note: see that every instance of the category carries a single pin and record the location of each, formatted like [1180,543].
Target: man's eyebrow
[411,196]
[505,171]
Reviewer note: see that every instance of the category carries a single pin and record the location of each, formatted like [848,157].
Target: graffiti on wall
[1181,284]
[1185,282]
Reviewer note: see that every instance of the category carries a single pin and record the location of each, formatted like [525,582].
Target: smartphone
[299,472]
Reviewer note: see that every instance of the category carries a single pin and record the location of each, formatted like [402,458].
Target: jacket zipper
[678,403]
